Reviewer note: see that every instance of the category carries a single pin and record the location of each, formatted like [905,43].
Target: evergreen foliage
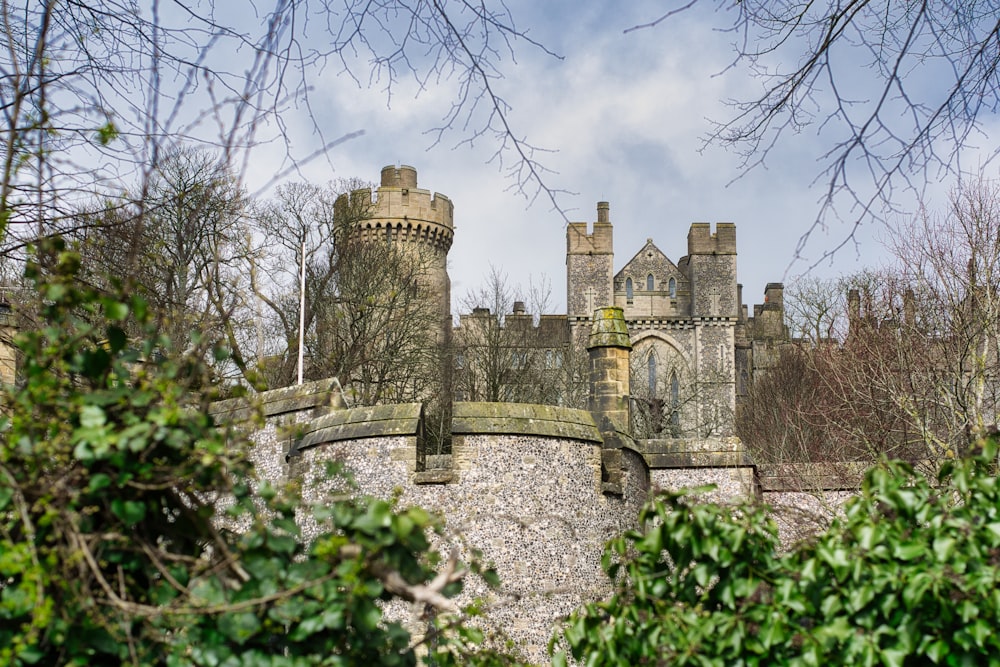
[134,531]
[909,575]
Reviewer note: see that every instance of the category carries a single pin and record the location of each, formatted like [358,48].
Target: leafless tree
[184,253]
[367,318]
[95,94]
[901,89]
[814,309]
[917,374]
[503,354]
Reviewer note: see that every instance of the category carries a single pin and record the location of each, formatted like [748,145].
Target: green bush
[909,575]
[119,502]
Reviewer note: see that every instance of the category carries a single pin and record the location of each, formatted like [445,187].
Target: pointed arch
[651,371]
[675,400]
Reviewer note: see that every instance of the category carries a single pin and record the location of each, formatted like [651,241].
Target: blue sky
[624,116]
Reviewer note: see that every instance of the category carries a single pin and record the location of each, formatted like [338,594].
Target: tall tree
[366,318]
[502,354]
[917,372]
[95,94]
[899,90]
[183,250]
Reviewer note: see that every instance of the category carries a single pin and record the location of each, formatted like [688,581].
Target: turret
[422,221]
[609,346]
[589,265]
[711,269]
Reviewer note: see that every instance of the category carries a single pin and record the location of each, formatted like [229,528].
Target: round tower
[420,221]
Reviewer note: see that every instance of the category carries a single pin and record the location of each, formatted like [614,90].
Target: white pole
[302,308]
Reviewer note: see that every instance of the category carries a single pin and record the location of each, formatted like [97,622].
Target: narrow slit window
[651,367]
[672,286]
[628,289]
[675,399]
[649,283]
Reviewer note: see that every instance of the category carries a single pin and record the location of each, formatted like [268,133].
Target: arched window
[628,289]
[651,365]
[649,283]
[672,286]
[675,399]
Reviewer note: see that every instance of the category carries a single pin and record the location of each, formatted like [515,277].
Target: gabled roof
[649,256]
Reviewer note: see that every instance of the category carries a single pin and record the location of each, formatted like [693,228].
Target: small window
[649,283]
[651,366]
[549,359]
[519,360]
[675,399]
[459,360]
[672,286]
[628,289]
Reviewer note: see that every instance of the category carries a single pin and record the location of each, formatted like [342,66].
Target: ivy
[133,529]
[910,575]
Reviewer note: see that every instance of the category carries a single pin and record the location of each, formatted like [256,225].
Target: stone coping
[274,402]
[839,476]
[694,453]
[470,418]
[402,419]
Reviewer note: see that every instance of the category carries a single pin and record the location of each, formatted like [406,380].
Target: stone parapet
[523,419]
[404,419]
[691,453]
[320,396]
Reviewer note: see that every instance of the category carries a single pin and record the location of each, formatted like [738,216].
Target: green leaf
[92,416]
[239,626]
[98,481]
[116,339]
[115,310]
[129,511]
[107,133]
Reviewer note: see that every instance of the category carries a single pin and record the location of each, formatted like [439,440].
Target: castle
[540,488]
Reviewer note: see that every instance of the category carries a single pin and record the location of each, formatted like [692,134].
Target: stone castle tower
[420,221]
[685,321]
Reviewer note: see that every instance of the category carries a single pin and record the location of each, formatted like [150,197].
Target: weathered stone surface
[275,402]
[689,453]
[360,423]
[524,419]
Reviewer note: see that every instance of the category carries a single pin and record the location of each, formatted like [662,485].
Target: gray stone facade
[693,344]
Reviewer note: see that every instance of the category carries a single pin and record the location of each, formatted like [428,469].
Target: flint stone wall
[524,486]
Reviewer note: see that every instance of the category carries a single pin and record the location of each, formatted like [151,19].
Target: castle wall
[679,463]
[527,485]
[524,486]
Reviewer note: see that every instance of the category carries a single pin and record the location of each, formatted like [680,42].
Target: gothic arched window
[628,289]
[672,286]
[675,399]
[651,367]
[649,283]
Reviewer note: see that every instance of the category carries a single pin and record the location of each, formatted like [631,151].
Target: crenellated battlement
[579,241]
[702,241]
[401,211]
[399,199]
